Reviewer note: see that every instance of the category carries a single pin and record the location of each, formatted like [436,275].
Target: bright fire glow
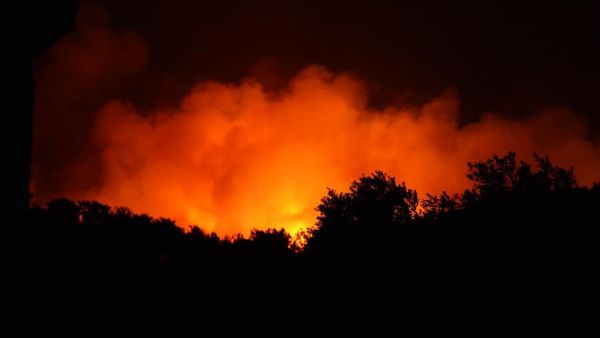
[235,157]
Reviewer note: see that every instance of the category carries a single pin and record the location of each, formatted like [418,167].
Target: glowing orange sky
[234,157]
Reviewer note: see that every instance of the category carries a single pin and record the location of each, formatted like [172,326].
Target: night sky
[509,57]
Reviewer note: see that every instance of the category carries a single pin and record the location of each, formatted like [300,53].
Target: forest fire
[399,168]
[233,157]
[236,157]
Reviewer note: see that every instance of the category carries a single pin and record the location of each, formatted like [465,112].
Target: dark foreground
[498,261]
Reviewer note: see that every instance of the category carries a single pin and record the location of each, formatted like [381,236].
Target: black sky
[510,57]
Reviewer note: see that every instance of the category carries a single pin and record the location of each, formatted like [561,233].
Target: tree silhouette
[509,257]
[374,207]
[501,174]
[435,206]
[551,177]
[495,174]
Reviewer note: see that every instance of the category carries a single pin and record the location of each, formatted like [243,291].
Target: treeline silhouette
[514,256]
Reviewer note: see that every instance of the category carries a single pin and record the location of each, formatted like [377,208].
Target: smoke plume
[232,157]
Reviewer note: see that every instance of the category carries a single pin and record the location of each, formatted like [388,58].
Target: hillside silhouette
[514,256]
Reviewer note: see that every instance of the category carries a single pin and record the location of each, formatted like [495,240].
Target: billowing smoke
[73,79]
[232,157]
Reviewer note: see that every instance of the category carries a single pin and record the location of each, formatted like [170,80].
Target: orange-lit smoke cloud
[235,157]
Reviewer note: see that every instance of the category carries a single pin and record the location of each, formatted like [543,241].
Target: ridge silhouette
[513,256]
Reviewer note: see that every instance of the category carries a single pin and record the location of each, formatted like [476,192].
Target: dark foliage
[374,207]
[504,174]
[514,256]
